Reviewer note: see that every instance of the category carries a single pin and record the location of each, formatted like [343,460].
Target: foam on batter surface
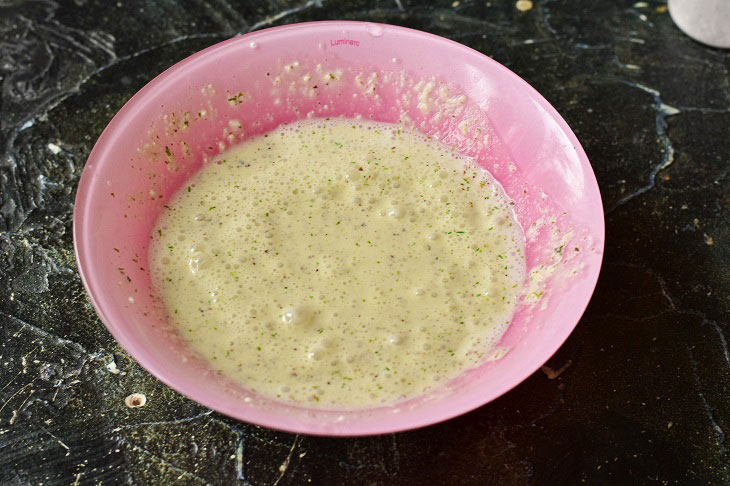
[340,263]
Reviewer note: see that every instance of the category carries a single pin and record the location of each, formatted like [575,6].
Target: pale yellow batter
[340,263]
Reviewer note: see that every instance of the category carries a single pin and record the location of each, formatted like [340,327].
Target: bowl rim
[84,262]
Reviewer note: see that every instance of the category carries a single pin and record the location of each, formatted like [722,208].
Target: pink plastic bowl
[251,84]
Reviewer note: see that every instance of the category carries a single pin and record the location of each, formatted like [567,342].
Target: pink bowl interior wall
[129,178]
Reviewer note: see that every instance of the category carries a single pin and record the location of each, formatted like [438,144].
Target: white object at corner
[707,21]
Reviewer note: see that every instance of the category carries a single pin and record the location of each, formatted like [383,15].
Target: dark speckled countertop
[640,393]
